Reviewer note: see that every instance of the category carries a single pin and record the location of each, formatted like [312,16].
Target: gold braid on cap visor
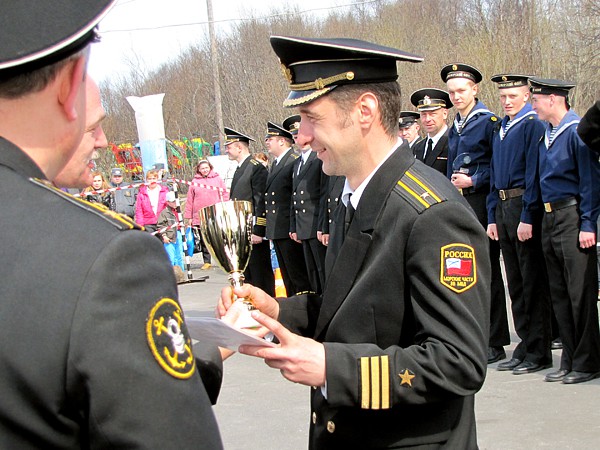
[321,83]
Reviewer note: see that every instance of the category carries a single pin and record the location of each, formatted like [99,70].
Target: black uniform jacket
[308,197]
[438,157]
[278,197]
[335,186]
[95,352]
[404,316]
[249,182]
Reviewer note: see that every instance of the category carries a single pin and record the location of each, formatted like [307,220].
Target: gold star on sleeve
[406,377]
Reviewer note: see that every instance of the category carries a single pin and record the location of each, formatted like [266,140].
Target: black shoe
[509,365]
[559,375]
[495,354]
[579,377]
[529,367]
[556,344]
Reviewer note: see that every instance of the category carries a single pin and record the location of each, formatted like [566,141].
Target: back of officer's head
[39,39]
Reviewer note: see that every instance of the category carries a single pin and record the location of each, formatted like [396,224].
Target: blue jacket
[475,139]
[514,162]
[569,169]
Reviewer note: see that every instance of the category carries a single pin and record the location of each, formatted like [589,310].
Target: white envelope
[214,331]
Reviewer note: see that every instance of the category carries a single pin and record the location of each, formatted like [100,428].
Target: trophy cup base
[245,320]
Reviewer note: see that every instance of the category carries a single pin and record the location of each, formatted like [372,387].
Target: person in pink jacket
[207,189]
[151,200]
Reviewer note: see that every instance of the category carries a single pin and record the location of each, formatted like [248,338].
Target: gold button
[301,192]
[273,202]
[314,417]
[273,211]
[273,193]
[330,426]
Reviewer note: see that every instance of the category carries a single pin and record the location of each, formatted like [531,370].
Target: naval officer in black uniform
[95,349]
[433,105]
[278,199]
[309,198]
[409,128]
[249,183]
[395,348]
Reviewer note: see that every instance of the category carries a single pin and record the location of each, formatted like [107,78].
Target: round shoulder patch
[494,119]
[168,339]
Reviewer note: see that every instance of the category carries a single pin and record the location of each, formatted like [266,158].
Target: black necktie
[429,148]
[300,165]
[349,215]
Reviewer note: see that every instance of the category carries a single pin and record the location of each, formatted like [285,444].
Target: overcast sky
[145,33]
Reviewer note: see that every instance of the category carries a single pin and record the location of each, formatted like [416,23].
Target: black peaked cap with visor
[314,67]
[275,130]
[232,136]
[37,33]
[430,99]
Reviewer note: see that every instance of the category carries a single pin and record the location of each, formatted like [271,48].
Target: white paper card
[214,331]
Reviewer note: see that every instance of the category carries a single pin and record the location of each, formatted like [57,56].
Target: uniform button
[294,202]
[273,211]
[272,193]
[273,202]
[294,193]
[330,426]
[301,192]
[303,210]
[302,202]
[314,417]
[336,199]
[330,220]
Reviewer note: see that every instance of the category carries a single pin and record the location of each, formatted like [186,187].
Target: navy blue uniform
[515,197]
[569,179]
[474,138]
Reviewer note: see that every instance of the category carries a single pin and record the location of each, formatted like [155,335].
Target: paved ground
[259,409]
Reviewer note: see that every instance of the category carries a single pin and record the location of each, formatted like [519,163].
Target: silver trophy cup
[226,228]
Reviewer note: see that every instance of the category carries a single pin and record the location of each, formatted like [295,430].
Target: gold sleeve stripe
[425,188]
[261,221]
[413,193]
[375,382]
[385,383]
[366,381]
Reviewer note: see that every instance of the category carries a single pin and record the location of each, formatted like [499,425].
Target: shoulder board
[417,190]
[294,156]
[253,161]
[121,221]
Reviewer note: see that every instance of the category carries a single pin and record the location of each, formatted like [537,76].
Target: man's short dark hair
[20,84]
[388,94]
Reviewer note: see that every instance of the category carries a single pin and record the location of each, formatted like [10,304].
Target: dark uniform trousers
[499,334]
[404,353]
[573,284]
[527,283]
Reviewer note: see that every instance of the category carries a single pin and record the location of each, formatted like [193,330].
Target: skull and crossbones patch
[168,339]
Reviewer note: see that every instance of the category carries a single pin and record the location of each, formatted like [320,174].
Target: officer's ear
[72,87]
